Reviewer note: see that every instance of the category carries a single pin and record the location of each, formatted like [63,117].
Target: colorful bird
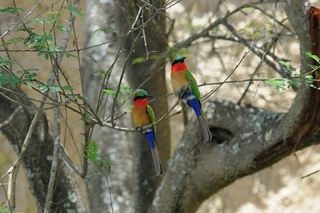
[185,85]
[143,115]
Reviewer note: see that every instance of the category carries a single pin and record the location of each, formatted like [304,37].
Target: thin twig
[22,19]
[312,173]
[130,52]
[8,120]
[17,162]
[57,114]
[236,67]
[144,35]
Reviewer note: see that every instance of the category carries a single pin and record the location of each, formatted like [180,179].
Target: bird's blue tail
[189,98]
[151,137]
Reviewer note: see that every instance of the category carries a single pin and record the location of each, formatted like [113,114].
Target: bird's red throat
[141,102]
[179,67]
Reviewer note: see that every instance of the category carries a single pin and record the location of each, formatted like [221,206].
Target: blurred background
[279,188]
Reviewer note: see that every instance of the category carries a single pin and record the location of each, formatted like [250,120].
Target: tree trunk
[145,30]
[111,193]
[36,160]
[246,139]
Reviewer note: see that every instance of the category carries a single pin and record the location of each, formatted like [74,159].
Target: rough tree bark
[146,38]
[246,139]
[113,144]
[37,159]
[16,115]
[250,139]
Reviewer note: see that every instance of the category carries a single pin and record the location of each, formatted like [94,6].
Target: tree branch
[252,139]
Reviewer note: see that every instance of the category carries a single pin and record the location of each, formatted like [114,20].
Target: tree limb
[252,139]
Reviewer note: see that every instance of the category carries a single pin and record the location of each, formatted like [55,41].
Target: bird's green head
[178,58]
[139,94]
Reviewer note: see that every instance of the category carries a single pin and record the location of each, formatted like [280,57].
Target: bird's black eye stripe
[139,97]
[178,61]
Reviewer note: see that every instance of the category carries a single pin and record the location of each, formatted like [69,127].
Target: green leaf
[6,78]
[138,60]
[110,91]
[69,55]
[126,89]
[43,88]
[248,9]
[53,13]
[12,41]
[314,57]
[4,61]
[54,88]
[309,77]
[13,10]
[62,28]
[155,56]
[92,151]
[288,68]
[68,88]
[4,209]
[279,84]
[25,29]
[99,73]
[38,20]
[309,80]
[74,10]
[313,67]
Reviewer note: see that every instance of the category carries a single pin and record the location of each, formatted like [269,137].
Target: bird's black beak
[151,97]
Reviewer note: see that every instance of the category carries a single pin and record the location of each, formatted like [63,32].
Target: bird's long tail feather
[206,134]
[157,163]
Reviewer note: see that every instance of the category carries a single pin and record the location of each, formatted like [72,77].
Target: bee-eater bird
[142,115]
[185,85]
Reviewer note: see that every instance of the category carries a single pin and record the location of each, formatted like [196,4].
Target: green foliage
[123,90]
[74,10]
[4,209]
[43,43]
[100,73]
[54,88]
[7,78]
[25,29]
[92,155]
[126,89]
[138,60]
[12,41]
[110,91]
[296,79]
[92,151]
[248,9]
[26,77]
[287,67]
[315,57]
[122,96]
[4,61]
[13,10]
[278,84]
[309,81]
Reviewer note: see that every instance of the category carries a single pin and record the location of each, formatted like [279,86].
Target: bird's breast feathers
[140,116]
[178,81]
